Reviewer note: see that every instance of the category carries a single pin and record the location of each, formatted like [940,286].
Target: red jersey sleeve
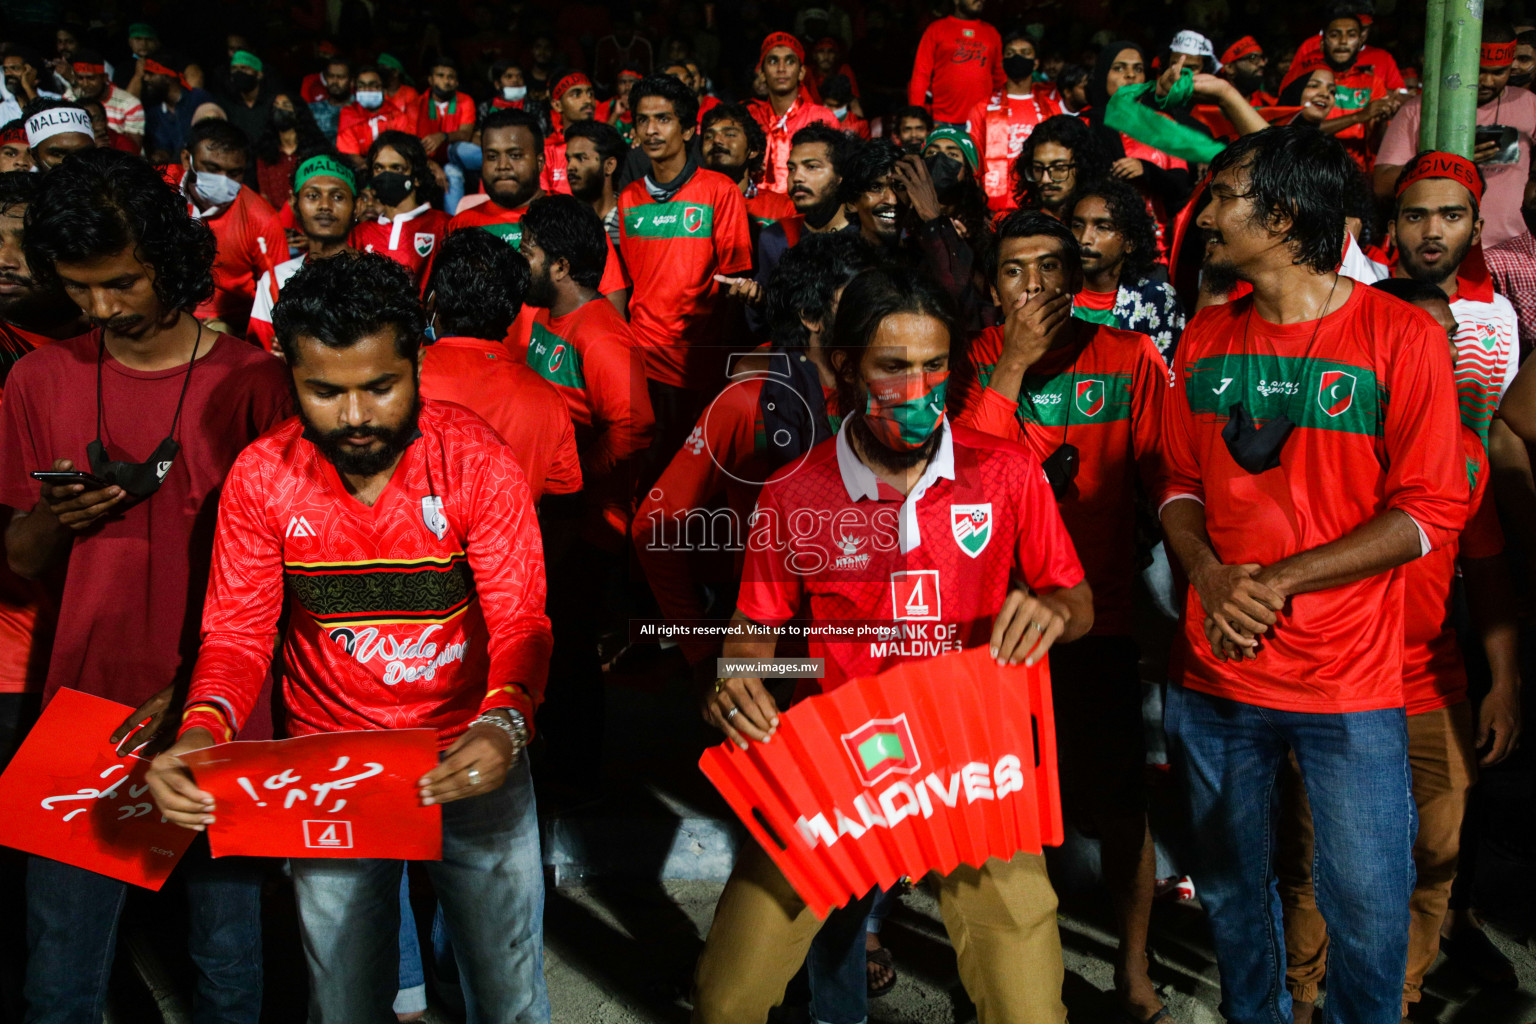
[564,473]
[242,607]
[1421,432]
[771,589]
[922,68]
[1180,469]
[991,413]
[1483,536]
[1044,554]
[614,278]
[621,404]
[732,235]
[22,448]
[1150,386]
[506,554]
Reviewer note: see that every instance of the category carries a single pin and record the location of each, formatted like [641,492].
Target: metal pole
[1429,106]
[1459,60]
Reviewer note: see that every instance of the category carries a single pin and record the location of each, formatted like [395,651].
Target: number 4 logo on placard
[915,595]
[328,835]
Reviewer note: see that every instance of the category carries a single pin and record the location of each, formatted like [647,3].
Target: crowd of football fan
[410,357]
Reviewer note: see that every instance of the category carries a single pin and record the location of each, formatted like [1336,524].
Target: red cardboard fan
[924,767]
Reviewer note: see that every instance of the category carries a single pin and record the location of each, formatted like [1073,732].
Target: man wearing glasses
[1054,159]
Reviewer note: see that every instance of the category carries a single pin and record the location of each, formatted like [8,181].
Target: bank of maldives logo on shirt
[1336,392]
[881,747]
[972,527]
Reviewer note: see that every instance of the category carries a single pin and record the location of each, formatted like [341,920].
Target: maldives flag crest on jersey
[424,241]
[1090,397]
[881,747]
[1336,392]
[693,216]
[972,527]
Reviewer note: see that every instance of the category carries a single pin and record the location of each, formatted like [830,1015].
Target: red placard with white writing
[337,794]
[66,795]
[926,766]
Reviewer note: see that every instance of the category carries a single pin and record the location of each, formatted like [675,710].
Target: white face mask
[370,100]
[513,93]
[840,112]
[216,189]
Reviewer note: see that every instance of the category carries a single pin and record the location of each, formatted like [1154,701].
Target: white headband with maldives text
[48,123]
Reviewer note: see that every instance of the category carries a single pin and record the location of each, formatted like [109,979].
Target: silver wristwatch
[511,722]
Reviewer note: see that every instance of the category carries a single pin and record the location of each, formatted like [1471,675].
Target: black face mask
[1018,67]
[284,120]
[242,81]
[1256,449]
[442,95]
[945,172]
[1061,470]
[391,187]
[139,479]
[156,92]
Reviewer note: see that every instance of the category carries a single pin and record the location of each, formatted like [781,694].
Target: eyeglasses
[1058,171]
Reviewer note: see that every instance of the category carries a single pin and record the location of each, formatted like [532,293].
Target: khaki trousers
[1001,919]
[1444,765]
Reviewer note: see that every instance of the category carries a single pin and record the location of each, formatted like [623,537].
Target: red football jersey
[504,223]
[360,127]
[1000,126]
[410,239]
[918,575]
[767,207]
[1103,397]
[1369,390]
[553,178]
[1434,674]
[780,128]
[527,413]
[422,610]
[959,61]
[673,251]
[251,243]
[428,117]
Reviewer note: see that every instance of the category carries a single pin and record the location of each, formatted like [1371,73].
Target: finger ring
[474,776]
[732,713]
[1039,628]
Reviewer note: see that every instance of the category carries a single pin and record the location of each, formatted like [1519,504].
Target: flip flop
[880,958]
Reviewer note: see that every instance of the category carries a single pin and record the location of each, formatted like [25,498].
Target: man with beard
[251,238]
[1523,70]
[913,125]
[1058,155]
[15,154]
[895,450]
[594,151]
[33,316]
[125,114]
[1357,84]
[1119,250]
[733,143]
[1085,398]
[55,131]
[169,104]
[337,76]
[1001,124]
[1497,104]
[571,102]
[158,406]
[787,109]
[399,495]
[324,197]
[815,168]
[444,119]
[870,193]
[1293,490]
[1242,64]
[959,64]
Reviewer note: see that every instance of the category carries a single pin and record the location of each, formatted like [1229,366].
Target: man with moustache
[337,77]
[1119,249]
[157,405]
[32,316]
[1523,69]
[788,108]
[55,130]
[733,143]
[444,119]
[1057,155]
[15,154]
[571,102]
[1002,123]
[870,192]
[125,114]
[594,152]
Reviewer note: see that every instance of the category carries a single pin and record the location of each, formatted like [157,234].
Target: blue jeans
[1355,767]
[72,917]
[412,994]
[491,886]
[462,157]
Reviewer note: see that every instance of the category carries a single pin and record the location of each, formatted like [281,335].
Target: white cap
[1195,44]
[56,121]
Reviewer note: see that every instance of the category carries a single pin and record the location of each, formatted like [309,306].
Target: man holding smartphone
[158,406]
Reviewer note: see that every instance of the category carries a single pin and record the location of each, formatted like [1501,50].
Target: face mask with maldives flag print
[903,412]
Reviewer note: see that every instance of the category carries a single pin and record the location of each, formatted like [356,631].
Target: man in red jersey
[787,109]
[354,507]
[733,143]
[1375,56]
[594,152]
[158,405]
[1441,742]
[1310,448]
[815,167]
[324,196]
[251,240]
[1001,124]
[443,118]
[1085,398]
[571,102]
[369,114]
[1357,84]
[681,226]
[959,64]
[1242,63]
[888,487]
[412,223]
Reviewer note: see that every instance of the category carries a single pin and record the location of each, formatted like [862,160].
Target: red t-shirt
[410,238]
[1104,397]
[1000,126]
[1353,91]
[251,242]
[925,566]
[780,129]
[673,251]
[360,126]
[960,62]
[420,611]
[1434,674]
[528,413]
[553,178]
[133,588]
[1376,429]
[504,223]
[427,117]
[765,207]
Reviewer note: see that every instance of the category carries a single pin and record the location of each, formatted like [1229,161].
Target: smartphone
[66,477]
[1505,137]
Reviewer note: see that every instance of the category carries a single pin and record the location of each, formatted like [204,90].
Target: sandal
[879,958]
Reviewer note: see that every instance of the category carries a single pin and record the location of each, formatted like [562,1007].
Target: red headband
[1240,49]
[780,39]
[154,67]
[1498,55]
[1366,21]
[1442,165]
[90,69]
[630,73]
[568,83]
[1303,67]
[13,137]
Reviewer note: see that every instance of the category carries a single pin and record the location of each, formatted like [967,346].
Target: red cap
[780,39]
[568,83]
[1303,67]
[1497,55]
[1240,49]
[1434,164]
